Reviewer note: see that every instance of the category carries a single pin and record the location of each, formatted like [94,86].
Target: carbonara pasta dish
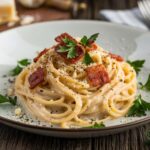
[76,83]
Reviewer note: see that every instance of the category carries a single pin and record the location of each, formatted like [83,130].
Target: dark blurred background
[115,4]
[64,9]
[112,4]
[96,5]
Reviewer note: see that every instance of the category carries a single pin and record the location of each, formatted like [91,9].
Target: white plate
[24,42]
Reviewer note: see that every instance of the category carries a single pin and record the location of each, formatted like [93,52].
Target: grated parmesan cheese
[18,111]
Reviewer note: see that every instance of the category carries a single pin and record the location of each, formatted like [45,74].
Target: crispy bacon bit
[97,75]
[117,57]
[36,77]
[92,47]
[60,38]
[90,42]
[40,54]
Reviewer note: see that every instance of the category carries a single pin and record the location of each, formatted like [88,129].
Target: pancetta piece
[36,78]
[97,75]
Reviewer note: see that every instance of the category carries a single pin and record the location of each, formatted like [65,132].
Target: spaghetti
[69,93]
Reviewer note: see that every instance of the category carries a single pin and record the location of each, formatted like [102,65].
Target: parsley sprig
[85,41]
[146,86]
[87,59]
[20,65]
[7,99]
[139,107]
[97,125]
[137,65]
[70,47]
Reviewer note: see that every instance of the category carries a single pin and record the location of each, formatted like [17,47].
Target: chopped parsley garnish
[87,59]
[24,62]
[70,47]
[97,125]
[7,99]
[85,41]
[20,65]
[146,86]
[137,65]
[72,53]
[139,107]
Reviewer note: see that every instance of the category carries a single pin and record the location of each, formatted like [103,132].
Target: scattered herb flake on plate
[97,125]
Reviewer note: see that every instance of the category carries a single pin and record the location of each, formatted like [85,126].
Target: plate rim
[125,125]
[137,29]
[128,125]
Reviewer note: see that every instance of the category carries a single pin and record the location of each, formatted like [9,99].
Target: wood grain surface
[13,139]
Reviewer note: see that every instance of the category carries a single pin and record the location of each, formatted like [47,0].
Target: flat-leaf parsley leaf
[85,41]
[20,65]
[7,99]
[70,47]
[139,107]
[87,59]
[137,65]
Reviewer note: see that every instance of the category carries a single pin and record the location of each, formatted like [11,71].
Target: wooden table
[13,139]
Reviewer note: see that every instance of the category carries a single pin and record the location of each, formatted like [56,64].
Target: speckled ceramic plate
[23,42]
